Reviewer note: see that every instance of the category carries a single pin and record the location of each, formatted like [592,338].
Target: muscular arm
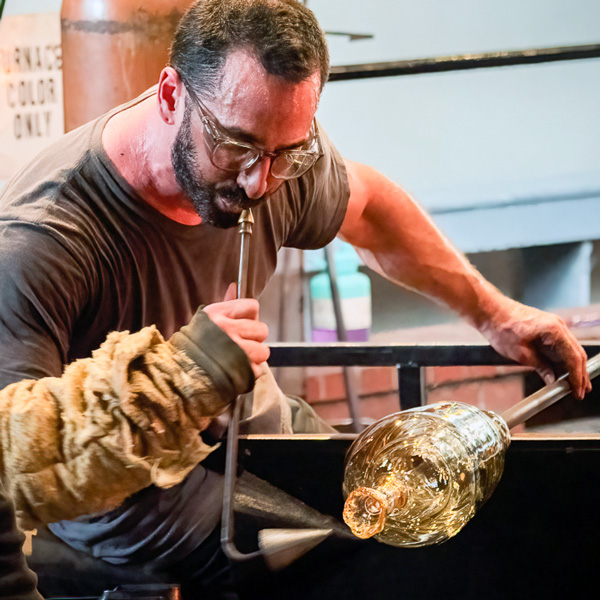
[397,239]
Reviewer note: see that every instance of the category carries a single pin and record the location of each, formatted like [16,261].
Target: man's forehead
[243,76]
[251,103]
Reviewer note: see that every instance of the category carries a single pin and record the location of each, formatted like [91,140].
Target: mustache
[238,196]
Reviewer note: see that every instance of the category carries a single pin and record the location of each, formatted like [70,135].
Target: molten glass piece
[416,477]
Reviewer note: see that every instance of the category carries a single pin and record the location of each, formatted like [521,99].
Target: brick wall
[489,388]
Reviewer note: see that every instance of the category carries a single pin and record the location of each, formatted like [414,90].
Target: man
[126,224]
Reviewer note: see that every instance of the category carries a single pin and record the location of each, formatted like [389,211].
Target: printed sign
[31,96]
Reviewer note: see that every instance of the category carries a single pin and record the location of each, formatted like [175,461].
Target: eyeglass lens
[230,155]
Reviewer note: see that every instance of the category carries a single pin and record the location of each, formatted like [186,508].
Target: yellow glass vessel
[416,477]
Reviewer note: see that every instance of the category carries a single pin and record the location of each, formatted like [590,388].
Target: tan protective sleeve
[127,417]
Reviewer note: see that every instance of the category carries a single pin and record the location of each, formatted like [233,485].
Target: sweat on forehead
[284,36]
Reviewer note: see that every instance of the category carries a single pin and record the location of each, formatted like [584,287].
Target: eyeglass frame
[216,132]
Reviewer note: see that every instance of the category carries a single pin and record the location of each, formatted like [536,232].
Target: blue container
[355,295]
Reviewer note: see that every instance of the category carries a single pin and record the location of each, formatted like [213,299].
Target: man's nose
[255,180]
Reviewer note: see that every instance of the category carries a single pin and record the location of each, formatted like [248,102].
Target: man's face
[254,108]
[204,194]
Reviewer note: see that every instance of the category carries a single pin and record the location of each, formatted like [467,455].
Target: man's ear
[169,95]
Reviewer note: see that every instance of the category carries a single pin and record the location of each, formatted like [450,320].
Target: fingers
[579,377]
[256,351]
[245,329]
[239,320]
[257,354]
[231,293]
[573,360]
[547,375]
[574,366]
[564,351]
[543,368]
[543,341]
[244,308]
[585,385]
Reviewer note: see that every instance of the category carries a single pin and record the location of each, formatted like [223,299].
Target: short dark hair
[283,35]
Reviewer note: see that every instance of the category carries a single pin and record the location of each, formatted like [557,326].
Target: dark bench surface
[537,537]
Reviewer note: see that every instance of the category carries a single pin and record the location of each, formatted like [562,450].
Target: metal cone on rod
[282,547]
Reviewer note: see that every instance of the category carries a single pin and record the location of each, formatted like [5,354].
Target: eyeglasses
[232,155]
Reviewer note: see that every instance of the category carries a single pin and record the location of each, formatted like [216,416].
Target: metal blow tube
[246,225]
[245,222]
[277,547]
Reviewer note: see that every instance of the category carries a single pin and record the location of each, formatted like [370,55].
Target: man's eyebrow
[238,133]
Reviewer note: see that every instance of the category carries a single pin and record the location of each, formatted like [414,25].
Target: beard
[201,193]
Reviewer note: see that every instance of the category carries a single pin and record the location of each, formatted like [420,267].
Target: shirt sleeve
[317,201]
[42,285]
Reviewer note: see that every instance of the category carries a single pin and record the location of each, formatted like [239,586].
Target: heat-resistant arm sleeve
[129,416]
